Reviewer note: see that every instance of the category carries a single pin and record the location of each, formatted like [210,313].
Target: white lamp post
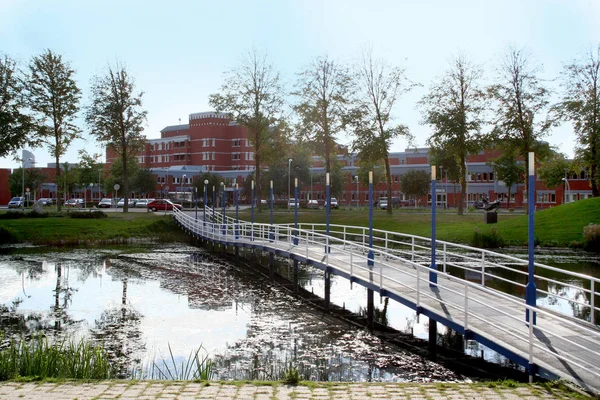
[357,193]
[567,187]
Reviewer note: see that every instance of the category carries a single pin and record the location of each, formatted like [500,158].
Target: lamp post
[357,193]
[196,195]
[23,181]
[289,174]
[214,204]
[99,186]
[567,188]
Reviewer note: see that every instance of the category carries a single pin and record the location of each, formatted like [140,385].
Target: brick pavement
[151,390]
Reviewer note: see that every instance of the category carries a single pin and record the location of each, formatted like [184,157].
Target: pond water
[167,301]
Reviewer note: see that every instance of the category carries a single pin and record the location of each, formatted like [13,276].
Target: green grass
[558,226]
[58,229]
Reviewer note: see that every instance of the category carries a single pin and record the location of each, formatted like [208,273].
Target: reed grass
[197,367]
[40,358]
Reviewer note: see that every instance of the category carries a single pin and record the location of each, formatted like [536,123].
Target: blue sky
[177,51]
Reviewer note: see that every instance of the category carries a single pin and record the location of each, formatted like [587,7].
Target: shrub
[487,240]
[591,237]
[7,236]
[88,214]
[12,215]
[35,214]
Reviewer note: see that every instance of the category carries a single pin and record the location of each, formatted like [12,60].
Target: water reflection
[139,303]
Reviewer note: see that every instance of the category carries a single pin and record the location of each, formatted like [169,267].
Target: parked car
[16,202]
[45,201]
[163,204]
[383,203]
[106,203]
[143,203]
[314,204]
[334,203]
[130,202]
[292,203]
[74,203]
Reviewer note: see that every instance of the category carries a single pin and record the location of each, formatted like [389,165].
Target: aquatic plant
[591,237]
[67,359]
[291,375]
[487,240]
[196,367]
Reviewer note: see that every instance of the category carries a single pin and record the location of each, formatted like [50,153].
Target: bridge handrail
[482,264]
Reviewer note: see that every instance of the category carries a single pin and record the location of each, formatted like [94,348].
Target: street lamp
[183,182]
[289,173]
[205,200]
[357,193]
[23,181]
[568,188]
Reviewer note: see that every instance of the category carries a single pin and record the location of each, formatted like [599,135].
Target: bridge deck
[555,344]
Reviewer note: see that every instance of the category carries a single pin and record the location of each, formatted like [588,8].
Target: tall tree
[520,97]
[53,96]
[454,108]
[116,117]
[555,170]
[253,95]
[508,170]
[15,125]
[379,86]
[143,182]
[324,90]
[580,104]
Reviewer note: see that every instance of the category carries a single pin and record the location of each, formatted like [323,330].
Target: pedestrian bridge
[478,293]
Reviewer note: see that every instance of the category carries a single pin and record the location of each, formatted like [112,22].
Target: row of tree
[329,99]
[39,106]
[513,114]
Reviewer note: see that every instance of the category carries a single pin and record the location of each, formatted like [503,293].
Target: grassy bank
[60,229]
[559,226]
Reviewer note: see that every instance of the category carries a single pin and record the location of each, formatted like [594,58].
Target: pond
[166,301]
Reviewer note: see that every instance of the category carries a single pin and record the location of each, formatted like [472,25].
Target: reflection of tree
[61,317]
[118,329]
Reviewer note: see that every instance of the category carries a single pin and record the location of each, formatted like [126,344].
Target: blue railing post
[252,213]
[530,290]
[370,256]
[327,210]
[237,213]
[196,195]
[296,212]
[271,199]
[433,267]
[205,199]
[223,201]
[214,204]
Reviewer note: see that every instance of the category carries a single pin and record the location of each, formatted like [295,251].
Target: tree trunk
[258,186]
[125,183]
[389,185]
[58,185]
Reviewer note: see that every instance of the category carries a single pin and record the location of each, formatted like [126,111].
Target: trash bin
[491,217]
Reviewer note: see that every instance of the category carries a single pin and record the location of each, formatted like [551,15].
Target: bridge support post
[432,338]
[370,309]
[530,289]
[271,266]
[433,267]
[295,275]
[327,288]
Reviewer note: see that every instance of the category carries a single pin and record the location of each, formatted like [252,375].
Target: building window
[235,156]
[236,143]
[213,143]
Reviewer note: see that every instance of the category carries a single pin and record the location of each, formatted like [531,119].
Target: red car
[163,204]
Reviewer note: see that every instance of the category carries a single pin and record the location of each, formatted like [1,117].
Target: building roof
[172,128]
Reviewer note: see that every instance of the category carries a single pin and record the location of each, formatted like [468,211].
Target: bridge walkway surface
[554,346]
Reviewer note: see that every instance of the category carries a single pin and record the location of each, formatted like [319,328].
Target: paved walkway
[126,390]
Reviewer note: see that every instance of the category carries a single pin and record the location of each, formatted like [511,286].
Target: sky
[178,51]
